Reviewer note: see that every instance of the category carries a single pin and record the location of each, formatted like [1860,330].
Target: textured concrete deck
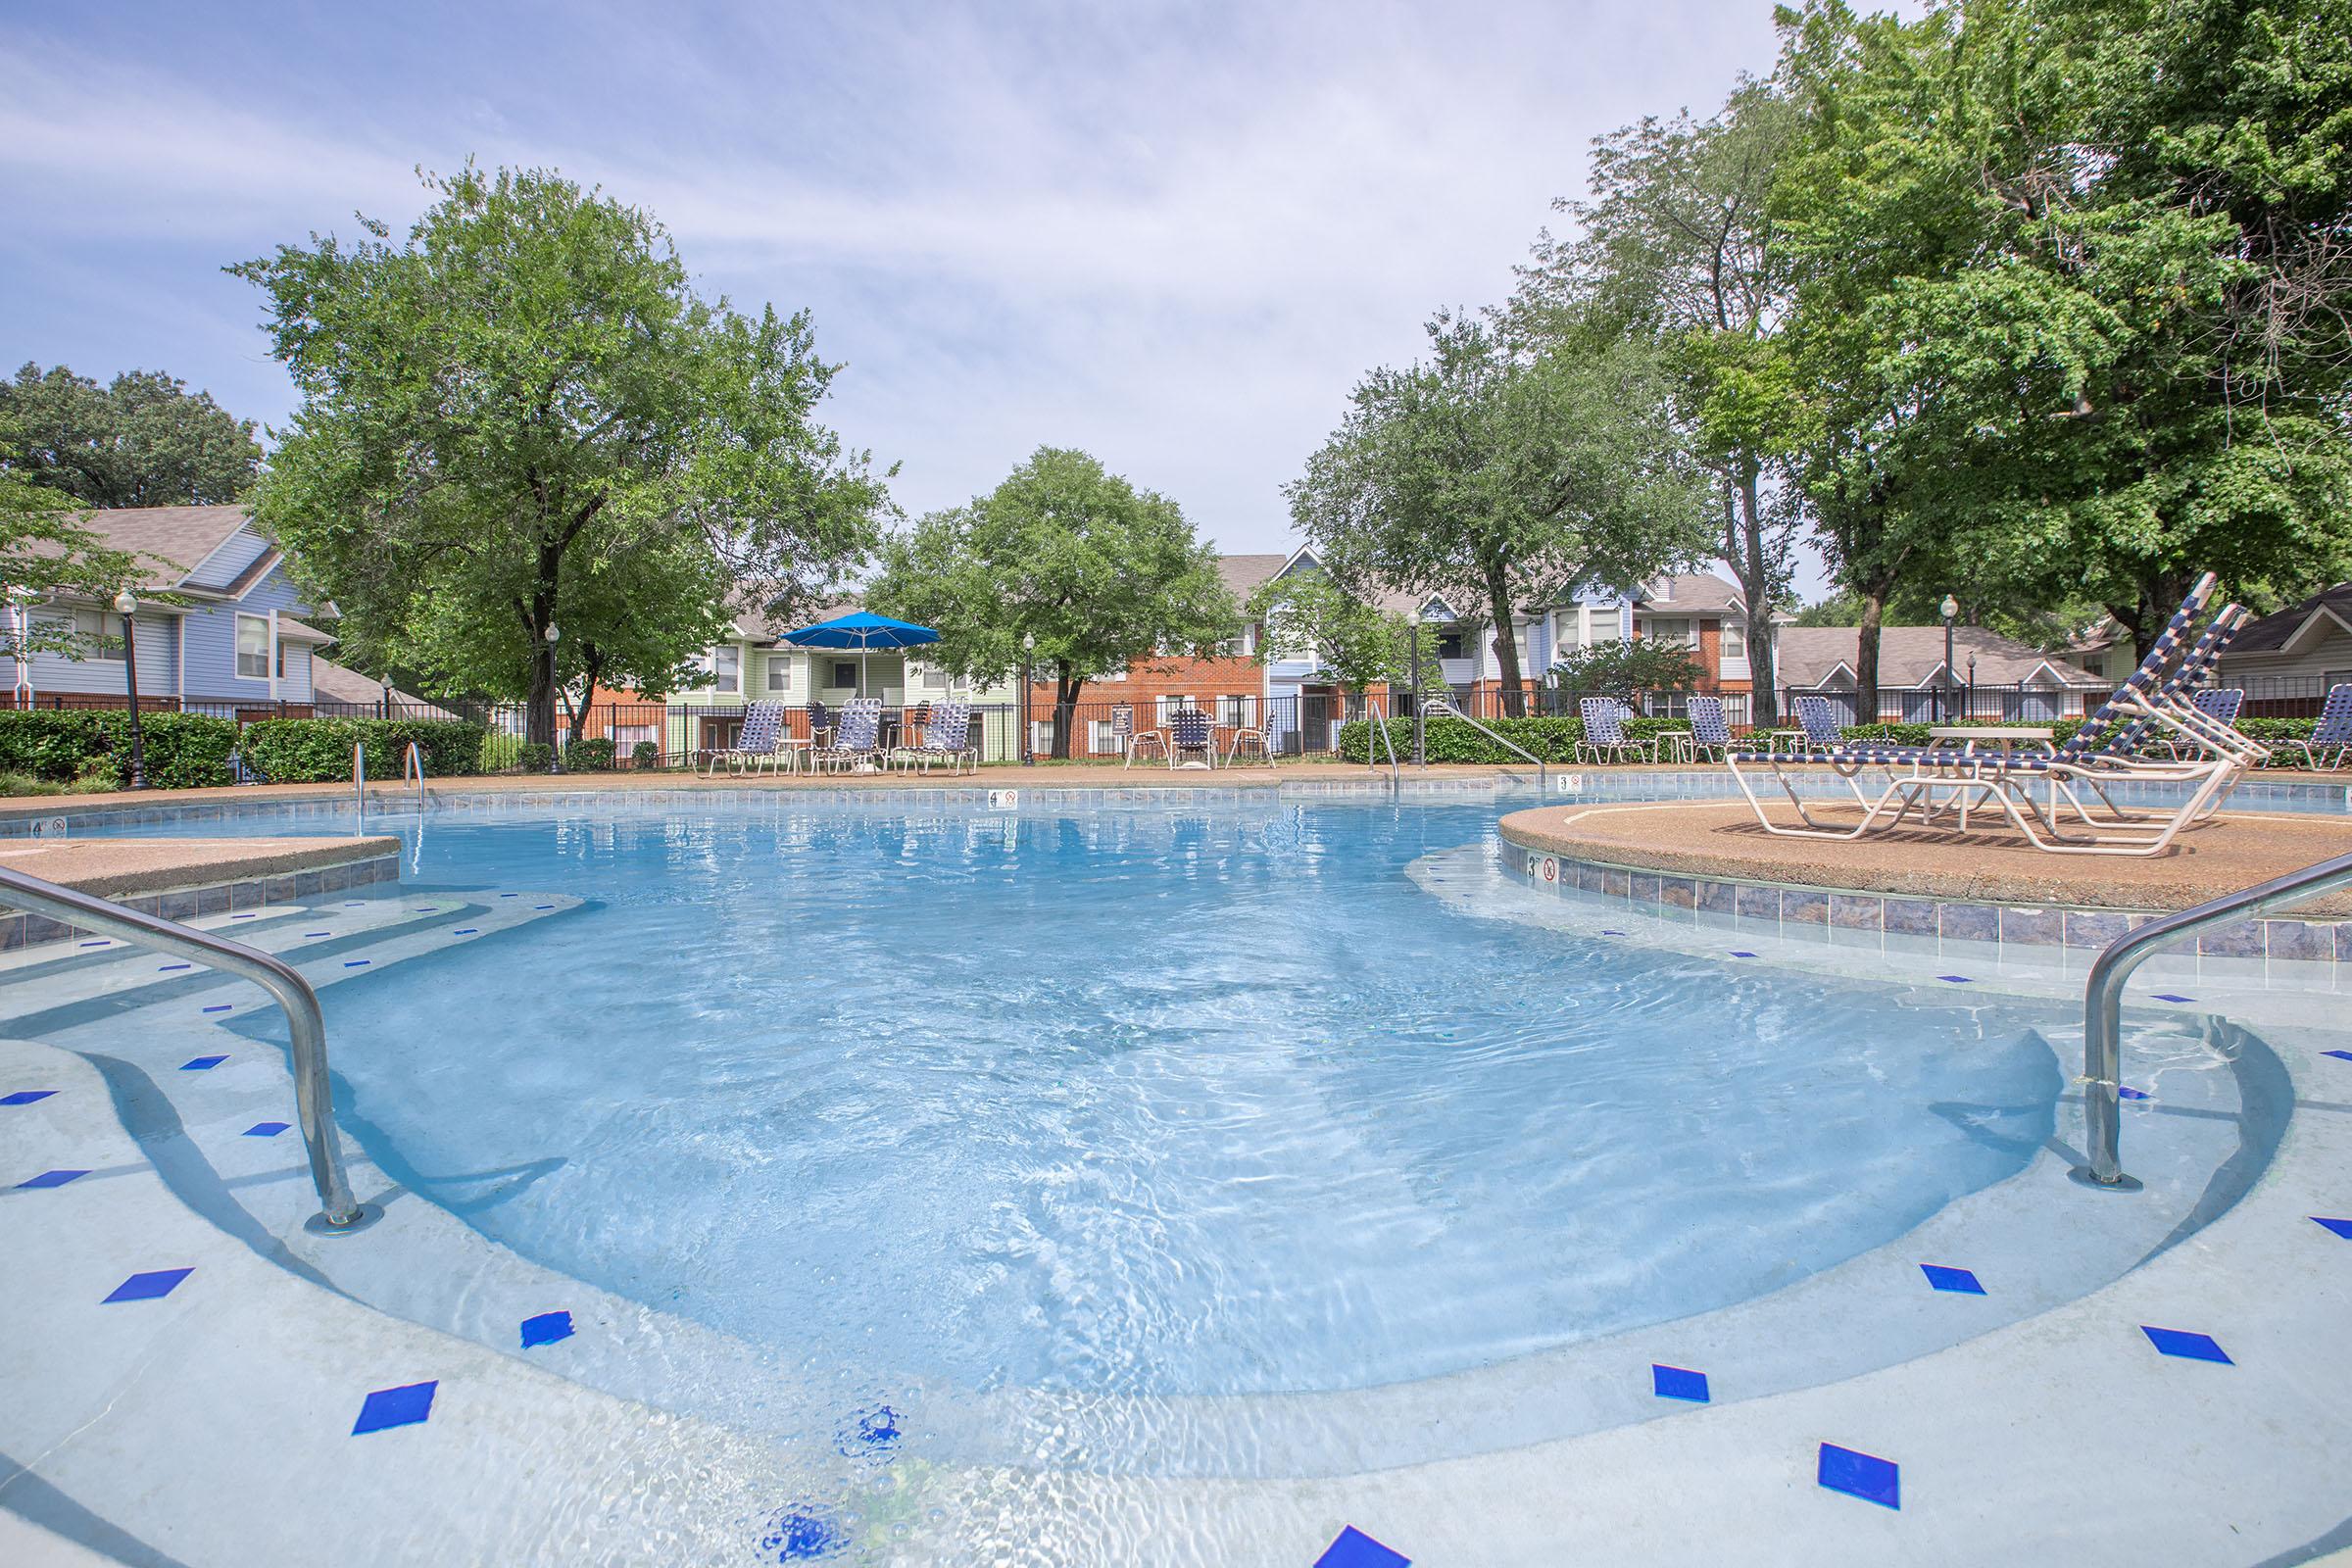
[1721,839]
[117,867]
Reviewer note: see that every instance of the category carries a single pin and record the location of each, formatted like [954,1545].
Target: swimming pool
[993,1155]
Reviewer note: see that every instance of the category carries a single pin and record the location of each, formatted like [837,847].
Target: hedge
[593,755]
[317,751]
[59,746]
[1453,740]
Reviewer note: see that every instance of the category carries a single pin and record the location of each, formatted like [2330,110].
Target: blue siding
[238,552]
[213,646]
[54,672]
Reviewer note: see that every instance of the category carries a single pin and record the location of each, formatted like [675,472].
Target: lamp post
[554,753]
[21,600]
[1028,652]
[127,607]
[1951,613]
[1420,720]
[1969,709]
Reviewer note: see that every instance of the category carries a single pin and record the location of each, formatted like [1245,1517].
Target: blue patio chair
[857,739]
[2220,704]
[1189,730]
[946,738]
[2332,736]
[1132,741]
[762,742]
[1710,731]
[1818,717]
[1604,734]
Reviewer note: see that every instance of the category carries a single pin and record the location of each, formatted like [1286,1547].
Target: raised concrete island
[1710,856]
[181,879]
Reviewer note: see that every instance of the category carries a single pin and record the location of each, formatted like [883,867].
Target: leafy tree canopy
[1358,643]
[523,417]
[142,441]
[46,551]
[1504,475]
[1627,668]
[1064,567]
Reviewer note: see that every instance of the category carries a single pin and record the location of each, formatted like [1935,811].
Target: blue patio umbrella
[864,632]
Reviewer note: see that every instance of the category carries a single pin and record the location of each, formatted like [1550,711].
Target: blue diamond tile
[1862,1475]
[266,1129]
[201,1064]
[98,943]
[1955,980]
[357,964]
[1737,953]
[307,934]
[546,1328]
[542,906]
[2341,1227]
[2341,1056]
[351,904]
[220,1006]
[2167,995]
[1607,933]
[1678,1383]
[2186,1344]
[403,1407]
[51,1178]
[510,895]
[25,1097]
[2127,1092]
[802,1534]
[149,1286]
[467,931]
[874,1431]
[1961,1281]
[168,968]
[1355,1549]
[244,918]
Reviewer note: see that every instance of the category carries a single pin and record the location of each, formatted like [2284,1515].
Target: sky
[1174,235]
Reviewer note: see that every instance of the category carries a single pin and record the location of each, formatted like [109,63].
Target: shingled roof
[1910,655]
[2274,631]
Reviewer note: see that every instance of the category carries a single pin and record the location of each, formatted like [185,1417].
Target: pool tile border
[244,894]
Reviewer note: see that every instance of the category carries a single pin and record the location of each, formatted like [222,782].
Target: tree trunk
[539,724]
[1066,687]
[1866,652]
[1755,587]
[1506,646]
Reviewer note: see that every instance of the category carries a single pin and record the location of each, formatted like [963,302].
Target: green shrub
[593,755]
[2061,730]
[644,754]
[91,747]
[317,751]
[534,757]
[1453,740]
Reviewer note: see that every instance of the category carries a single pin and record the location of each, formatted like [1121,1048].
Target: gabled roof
[332,683]
[180,539]
[2275,633]
[1913,655]
[1242,574]
[1690,593]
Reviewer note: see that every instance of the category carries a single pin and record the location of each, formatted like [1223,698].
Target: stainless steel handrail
[306,1026]
[2103,996]
[359,787]
[1380,722]
[412,763]
[1445,707]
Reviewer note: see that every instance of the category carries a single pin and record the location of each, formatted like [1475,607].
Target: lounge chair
[1604,734]
[1189,731]
[946,738]
[2331,734]
[1132,741]
[856,741]
[760,742]
[1258,737]
[2220,703]
[1710,731]
[1938,788]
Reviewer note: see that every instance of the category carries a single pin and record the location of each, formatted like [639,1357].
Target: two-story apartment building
[241,637]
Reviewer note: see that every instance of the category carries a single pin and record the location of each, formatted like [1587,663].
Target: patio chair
[2220,703]
[946,738]
[821,725]
[856,741]
[1255,737]
[2332,734]
[1710,731]
[1605,732]
[760,742]
[1189,731]
[1132,741]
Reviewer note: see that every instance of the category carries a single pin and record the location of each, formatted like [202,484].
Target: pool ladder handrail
[412,765]
[306,1026]
[359,787]
[1380,723]
[1443,706]
[2103,996]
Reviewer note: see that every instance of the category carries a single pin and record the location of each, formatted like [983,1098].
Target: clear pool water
[1142,1102]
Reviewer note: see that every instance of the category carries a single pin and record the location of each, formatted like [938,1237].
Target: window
[1040,736]
[627,737]
[1100,738]
[779,673]
[726,663]
[101,633]
[936,680]
[1237,713]
[253,648]
[1571,629]
[845,674]
[1449,645]
[1735,640]
[1671,631]
[1241,646]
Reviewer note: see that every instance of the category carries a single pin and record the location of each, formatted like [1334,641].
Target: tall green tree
[1505,475]
[523,420]
[144,440]
[1678,240]
[1357,643]
[1065,567]
[45,551]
